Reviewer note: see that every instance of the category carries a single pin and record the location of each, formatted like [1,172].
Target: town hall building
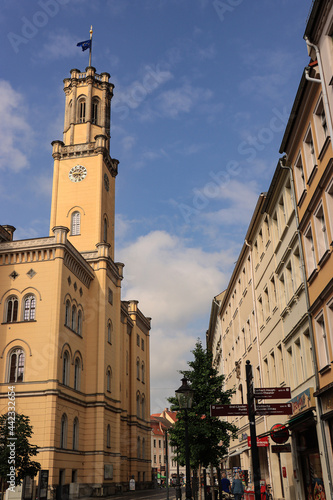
[76,353]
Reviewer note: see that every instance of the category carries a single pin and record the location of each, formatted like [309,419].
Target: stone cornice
[45,249]
[63,152]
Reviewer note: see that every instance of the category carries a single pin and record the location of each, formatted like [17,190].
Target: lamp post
[185,398]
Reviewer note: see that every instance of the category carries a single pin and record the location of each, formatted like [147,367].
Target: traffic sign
[261,442]
[272,393]
[279,433]
[281,448]
[274,409]
[227,410]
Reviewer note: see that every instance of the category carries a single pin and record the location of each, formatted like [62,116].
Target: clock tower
[83,195]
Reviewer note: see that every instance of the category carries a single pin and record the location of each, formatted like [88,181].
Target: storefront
[305,450]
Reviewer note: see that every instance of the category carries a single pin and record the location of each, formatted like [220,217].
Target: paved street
[155,494]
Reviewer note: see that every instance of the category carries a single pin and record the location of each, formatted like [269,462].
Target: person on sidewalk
[237,488]
[225,483]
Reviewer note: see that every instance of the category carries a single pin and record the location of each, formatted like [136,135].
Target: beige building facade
[77,355]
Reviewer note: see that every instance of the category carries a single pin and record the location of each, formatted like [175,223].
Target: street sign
[227,410]
[261,442]
[279,433]
[274,409]
[272,393]
[281,448]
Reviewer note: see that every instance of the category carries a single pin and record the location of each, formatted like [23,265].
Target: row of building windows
[12,311]
[73,317]
[317,234]
[66,370]
[82,109]
[323,331]
[64,433]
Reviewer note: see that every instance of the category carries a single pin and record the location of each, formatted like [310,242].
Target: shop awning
[238,452]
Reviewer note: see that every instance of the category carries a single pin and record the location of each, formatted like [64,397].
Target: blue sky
[203,91]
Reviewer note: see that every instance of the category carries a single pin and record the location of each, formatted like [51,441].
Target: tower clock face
[77,173]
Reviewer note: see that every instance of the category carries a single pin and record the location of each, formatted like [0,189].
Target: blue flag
[85,45]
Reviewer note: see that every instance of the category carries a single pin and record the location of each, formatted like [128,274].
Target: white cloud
[16,134]
[173,282]
[59,46]
[175,101]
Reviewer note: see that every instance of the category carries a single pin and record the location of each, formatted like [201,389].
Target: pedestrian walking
[225,483]
[237,488]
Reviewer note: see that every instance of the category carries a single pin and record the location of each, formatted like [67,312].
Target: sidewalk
[153,494]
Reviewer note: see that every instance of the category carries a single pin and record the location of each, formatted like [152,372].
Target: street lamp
[185,399]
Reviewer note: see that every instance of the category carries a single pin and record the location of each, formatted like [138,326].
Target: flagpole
[90,48]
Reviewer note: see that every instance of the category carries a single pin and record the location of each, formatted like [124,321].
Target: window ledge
[324,148]
[268,319]
[302,198]
[19,322]
[313,275]
[312,175]
[285,311]
[275,309]
[324,257]
[325,369]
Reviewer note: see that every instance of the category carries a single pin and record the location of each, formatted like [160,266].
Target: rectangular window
[266,303]
[310,157]
[261,312]
[329,205]
[299,177]
[321,232]
[290,287]
[310,256]
[138,340]
[272,369]
[142,344]
[321,341]
[110,296]
[280,366]
[283,294]
[320,123]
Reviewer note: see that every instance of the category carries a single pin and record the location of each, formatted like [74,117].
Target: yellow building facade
[77,354]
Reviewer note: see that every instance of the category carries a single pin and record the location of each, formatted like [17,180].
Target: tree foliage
[16,450]
[209,437]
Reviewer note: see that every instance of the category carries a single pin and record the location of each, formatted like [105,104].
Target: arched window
[29,308]
[138,447]
[74,316]
[143,372]
[138,404]
[109,332]
[76,434]
[138,369]
[75,224]
[82,111]
[108,380]
[108,436]
[16,365]
[105,230]
[65,368]
[12,308]
[94,116]
[63,431]
[143,407]
[77,374]
[68,313]
[79,322]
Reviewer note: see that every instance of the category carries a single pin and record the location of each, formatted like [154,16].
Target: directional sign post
[253,434]
[272,393]
[274,409]
[227,410]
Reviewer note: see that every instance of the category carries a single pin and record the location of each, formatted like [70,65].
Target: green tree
[16,450]
[209,437]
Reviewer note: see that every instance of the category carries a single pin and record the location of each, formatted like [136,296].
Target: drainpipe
[314,359]
[320,80]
